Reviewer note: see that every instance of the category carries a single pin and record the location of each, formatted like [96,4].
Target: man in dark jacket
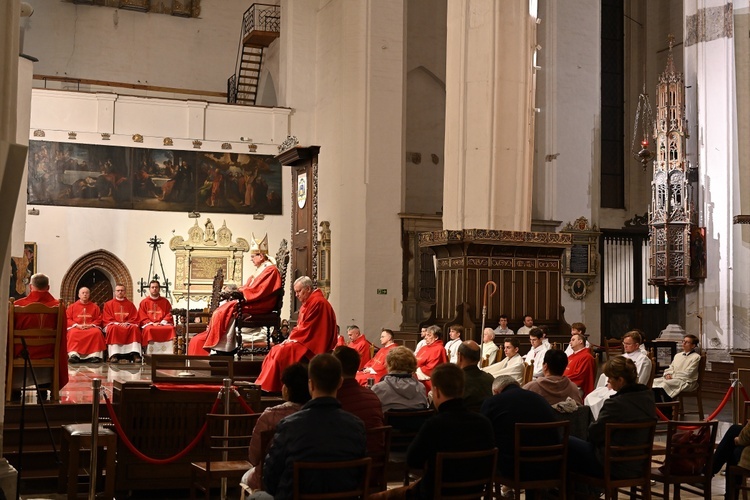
[320,432]
[477,384]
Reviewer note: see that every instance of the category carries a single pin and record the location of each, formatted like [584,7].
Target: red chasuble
[84,329]
[581,370]
[315,333]
[150,313]
[260,297]
[377,363]
[23,321]
[120,319]
[430,356]
[362,346]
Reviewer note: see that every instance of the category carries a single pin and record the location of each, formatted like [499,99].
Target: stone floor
[79,390]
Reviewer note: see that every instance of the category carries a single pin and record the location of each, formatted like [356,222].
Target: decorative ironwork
[671,213]
[261,17]
[232,89]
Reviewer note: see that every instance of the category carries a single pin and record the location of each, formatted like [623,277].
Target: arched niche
[107,262]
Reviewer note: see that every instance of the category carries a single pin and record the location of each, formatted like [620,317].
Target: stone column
[489,115]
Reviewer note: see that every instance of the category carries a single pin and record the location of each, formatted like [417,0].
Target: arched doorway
[100,271]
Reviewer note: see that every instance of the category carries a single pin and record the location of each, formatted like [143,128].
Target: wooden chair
[39,337]
[465,485]
[270,321]
[265,442]
[652,376]
[736,482]
[332,469]
[689,457]
[404,428]
[227,441]
[380,456]
[620,454]
[697,394]
[528,373]
[670,410]
[533,462]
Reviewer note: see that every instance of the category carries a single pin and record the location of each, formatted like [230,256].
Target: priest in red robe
[260,293]
[85,338]
[581,369]
[315,333]
[430,355]
[359,343]
[123,335]
[376,367]
[40,295]
[155,318]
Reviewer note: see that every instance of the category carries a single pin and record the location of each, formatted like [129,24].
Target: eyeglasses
[625,343]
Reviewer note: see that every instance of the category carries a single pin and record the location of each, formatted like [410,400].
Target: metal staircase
[260,27]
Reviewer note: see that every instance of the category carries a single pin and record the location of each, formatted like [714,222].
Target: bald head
[468,353]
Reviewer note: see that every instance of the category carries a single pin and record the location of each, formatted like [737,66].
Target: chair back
[265,442]
[382,436]
[670,410]
[45,335]
[528,372]
[325,479]
[701,370]
[540,455]
[216,287]
[613,347]
[627,452]
[652,376]
[227,437]
[462,484]
[405,426]
[689,450]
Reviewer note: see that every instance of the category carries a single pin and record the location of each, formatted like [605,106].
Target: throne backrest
[218,284]
[282,264]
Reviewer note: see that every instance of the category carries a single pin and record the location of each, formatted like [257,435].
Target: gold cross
[154,313]
[121,315]
[84,316]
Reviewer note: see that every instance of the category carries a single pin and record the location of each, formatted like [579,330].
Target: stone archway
[111,266]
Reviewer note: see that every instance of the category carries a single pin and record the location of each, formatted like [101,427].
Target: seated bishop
[39,295]
[85,338]
[155,318]
[260,293]
[123,335]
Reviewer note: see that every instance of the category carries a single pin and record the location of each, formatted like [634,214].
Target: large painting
[88,175]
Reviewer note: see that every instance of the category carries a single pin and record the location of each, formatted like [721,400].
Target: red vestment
[315,333]
[260,297]
[581,370]
[151,312]
[120,319]
[362,346]
[340,340]
[428,358]
[23,321]
[377,363]
[84,329]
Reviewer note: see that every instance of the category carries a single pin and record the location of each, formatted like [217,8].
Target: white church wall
[98,43]
[566,181]
[64,234]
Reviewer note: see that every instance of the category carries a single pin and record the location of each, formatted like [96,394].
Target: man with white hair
[489,348]
[85,338]
[315,333]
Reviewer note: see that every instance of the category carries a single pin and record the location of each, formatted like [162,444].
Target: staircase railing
[258,18]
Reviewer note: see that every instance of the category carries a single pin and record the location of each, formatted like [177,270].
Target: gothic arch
[110,264]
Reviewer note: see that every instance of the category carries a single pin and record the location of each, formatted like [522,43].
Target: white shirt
[451,349]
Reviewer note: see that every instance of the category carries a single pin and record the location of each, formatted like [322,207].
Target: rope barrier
[722,404]
[243,403]
[157,461]
[744,393]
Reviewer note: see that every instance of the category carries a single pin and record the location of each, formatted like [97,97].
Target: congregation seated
[155,320]
[376,368]
[581,368]
[578,329]
[85,338]
[295,393]
[431,355]
[553,385]
[510,405]
[682,374]
[399,389]
[537,351]
[477,384]
[489,347]
[359,343]
[633,403]
[512,364]
[320,432]
[631,342]
[39,294]
[357,400]
[123,335]
[315,333]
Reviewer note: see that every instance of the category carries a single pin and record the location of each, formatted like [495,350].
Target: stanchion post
[96,385]
[225,454]
[734,381]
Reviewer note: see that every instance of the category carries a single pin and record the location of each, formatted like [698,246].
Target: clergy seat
[271,321]
[38,338]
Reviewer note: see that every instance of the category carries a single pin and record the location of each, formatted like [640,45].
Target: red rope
[722,404]
[243,403]
[661,416]
[744,393]
[157,461]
